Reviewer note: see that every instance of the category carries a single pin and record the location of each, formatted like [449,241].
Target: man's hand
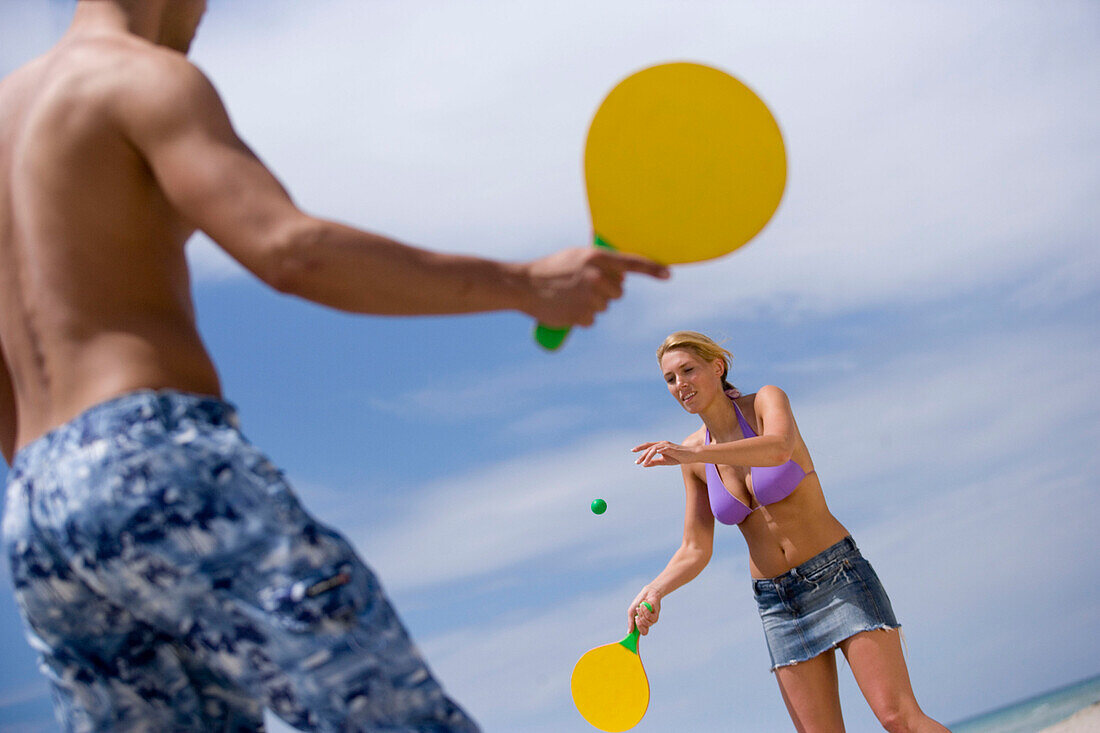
[572,286]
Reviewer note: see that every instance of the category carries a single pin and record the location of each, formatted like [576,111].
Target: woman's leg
[811,693]
[879,668]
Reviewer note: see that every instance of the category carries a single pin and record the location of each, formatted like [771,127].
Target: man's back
[94,292]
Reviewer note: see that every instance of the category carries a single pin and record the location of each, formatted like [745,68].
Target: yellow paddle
[609,685]
[682,163]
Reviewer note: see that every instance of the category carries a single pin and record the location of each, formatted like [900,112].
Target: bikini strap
[746,430]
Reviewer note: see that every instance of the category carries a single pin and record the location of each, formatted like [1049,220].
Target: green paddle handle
[552,338]
[631,640]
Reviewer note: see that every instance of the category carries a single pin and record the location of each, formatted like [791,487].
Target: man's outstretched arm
[178,123]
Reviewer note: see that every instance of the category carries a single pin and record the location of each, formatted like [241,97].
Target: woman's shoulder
[763,401]
[767,393]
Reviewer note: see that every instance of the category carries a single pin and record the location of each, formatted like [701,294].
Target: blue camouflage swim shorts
[171,581]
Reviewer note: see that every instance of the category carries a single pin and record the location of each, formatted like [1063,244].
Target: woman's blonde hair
[702,346]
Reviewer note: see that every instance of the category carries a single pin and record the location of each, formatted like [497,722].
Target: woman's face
[692,381]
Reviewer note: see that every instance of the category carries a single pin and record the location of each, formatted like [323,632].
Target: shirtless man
[167,574]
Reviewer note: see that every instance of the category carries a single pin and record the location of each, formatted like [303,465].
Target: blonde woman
[747,465]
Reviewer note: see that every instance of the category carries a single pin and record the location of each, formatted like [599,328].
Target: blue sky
[927,295]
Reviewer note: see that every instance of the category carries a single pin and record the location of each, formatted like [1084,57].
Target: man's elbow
[289,254]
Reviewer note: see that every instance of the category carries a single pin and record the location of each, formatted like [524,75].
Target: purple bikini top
[769,483]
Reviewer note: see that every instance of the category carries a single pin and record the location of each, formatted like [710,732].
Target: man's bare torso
[94,288]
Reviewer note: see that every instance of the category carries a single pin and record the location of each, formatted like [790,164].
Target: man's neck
[140,19]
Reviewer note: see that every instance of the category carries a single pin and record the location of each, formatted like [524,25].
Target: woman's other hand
[662,453]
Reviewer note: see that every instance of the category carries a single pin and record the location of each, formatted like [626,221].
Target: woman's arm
[773,447]
[687,562]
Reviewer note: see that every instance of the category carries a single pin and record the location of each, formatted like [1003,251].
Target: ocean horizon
[1034,713]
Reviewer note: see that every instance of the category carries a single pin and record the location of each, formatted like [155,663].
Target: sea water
[1035,713]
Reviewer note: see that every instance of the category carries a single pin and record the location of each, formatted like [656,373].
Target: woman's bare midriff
[786,534]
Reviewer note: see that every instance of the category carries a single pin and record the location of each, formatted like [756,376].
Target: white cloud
[932,150]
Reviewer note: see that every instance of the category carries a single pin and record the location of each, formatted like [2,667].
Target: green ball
[599,506]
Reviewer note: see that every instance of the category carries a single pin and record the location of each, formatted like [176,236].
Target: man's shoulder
[133,68]
[111,72]
[122,67]
[18,81]
[139,86]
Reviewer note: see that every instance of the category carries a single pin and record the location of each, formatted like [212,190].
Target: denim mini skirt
[813,607]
